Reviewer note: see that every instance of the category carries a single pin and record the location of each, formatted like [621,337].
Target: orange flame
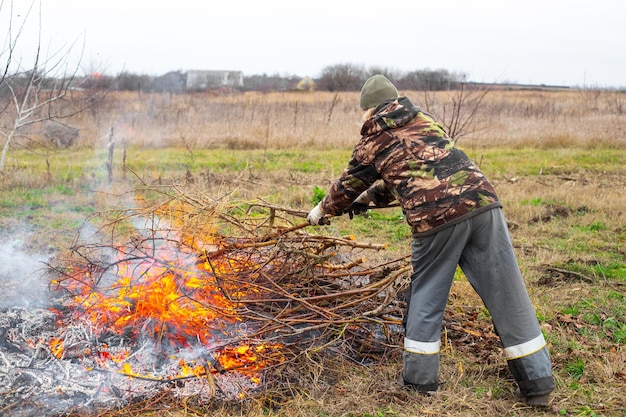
[174,296]
[163,298]
[57,347]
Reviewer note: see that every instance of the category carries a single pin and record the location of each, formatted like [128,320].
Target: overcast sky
[554,42]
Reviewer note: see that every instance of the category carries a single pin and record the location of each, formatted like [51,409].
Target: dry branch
[246,286]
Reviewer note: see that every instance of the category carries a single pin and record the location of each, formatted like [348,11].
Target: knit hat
[376,90]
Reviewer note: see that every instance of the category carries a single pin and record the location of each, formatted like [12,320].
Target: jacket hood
[390,115]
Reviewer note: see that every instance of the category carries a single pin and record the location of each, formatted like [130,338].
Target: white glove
[316,215]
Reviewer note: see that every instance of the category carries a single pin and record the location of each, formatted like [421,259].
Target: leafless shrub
[590,97]
[615,102]
[458,113]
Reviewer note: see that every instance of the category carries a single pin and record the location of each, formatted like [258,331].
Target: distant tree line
[339,77]
[348,77]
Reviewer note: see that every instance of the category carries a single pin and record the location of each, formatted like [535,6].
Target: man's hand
[358,206]
[316,216]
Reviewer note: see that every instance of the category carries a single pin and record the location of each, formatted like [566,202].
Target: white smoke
[22,280]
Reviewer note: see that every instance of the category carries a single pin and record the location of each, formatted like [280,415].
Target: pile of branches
[284,286]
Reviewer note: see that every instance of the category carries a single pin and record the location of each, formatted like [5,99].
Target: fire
[56,347]
[172,293]
[166,298]
[203,302]
[192,369]
[250,359]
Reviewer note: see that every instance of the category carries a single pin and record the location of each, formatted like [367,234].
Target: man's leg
[490,266]
[434,260]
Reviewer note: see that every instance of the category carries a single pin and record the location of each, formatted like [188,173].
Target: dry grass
[557,159]
[327,120]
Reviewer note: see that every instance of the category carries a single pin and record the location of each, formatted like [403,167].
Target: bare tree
[431,80]
[457,116]
[33,93]
[342,77]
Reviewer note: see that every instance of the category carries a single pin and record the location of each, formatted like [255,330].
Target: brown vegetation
[544,150]
[277,120]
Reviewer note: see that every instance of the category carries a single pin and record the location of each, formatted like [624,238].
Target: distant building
[198,80]
[171,82]
[306,84]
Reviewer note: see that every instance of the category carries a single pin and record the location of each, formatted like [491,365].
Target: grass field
[557,159]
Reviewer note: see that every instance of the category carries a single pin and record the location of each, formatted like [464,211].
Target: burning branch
[188,287]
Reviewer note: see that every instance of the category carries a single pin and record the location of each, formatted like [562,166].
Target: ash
[35,382]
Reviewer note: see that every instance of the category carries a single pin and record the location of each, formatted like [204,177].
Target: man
[456,219]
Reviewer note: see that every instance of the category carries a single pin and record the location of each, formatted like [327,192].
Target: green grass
[386,222]
[318,195]
[175,161]
[575,368]
[554,161]
[581,315]
[536,202]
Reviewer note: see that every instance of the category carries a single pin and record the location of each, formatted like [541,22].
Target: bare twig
[202,263]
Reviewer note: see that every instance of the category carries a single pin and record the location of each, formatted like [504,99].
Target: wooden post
[109,163]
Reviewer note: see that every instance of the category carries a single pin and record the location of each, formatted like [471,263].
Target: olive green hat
[376,90]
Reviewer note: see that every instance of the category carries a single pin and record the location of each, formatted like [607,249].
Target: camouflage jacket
[405,155]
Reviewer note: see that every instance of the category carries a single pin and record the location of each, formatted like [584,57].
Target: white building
[198,80]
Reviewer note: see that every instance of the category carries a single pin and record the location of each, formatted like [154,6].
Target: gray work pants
[482,247]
